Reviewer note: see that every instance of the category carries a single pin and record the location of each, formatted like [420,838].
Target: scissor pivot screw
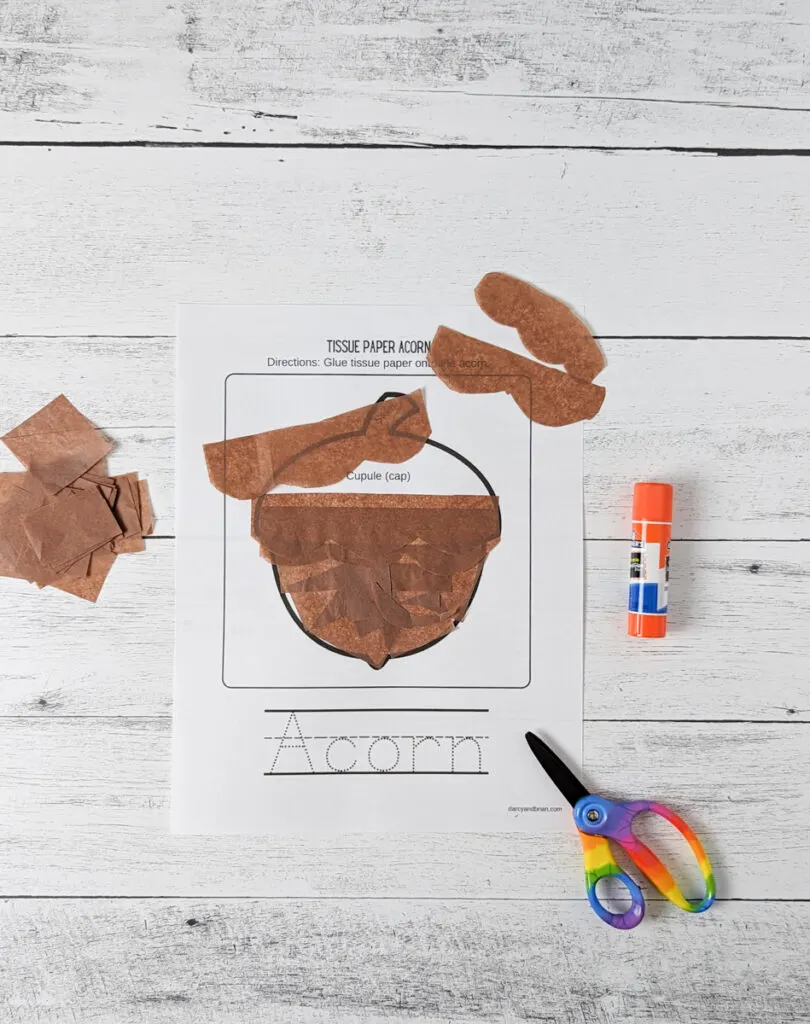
[592,815]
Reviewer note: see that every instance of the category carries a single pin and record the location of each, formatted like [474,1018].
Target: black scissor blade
[559,773]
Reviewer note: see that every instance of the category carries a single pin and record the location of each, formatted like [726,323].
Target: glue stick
[649,560]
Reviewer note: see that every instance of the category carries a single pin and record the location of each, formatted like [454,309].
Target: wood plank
[346,961]
[720,419]
[738,646]
[85,807]
[737,446]
[110,240]
[465,71]
[117,381]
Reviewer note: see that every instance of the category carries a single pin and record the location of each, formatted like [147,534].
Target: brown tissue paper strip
[57,444]
[322,453]
[61,530]
[547,327]
[128,514]
[377,575]
[145,504]
[547,396]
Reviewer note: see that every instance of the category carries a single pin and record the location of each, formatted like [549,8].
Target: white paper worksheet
[278,727]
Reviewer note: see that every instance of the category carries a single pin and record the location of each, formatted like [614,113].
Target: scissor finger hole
[664,839]
[613,893]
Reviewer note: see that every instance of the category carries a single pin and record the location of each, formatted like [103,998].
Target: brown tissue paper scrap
[57,444]
[318,454]
[63,522]
[550,331]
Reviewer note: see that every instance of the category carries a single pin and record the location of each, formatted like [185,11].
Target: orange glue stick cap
[652,502]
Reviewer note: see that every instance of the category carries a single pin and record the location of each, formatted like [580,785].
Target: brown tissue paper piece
[377,575]
[57,444]
[318,454]
[89,586]
[63,522]
[145,506]
[69,527]
[545,395]
[128,513]
[547,327]
[20,493]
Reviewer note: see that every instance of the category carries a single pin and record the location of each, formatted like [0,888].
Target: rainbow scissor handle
[599,820]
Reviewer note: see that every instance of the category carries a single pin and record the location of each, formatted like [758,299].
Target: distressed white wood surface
[502,72]
[84,807]
[107,241]
[737,649]
[315,962]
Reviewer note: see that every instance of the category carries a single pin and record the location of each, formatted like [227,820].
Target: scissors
[600,820]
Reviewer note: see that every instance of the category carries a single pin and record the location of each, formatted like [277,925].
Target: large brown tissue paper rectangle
[69,526]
